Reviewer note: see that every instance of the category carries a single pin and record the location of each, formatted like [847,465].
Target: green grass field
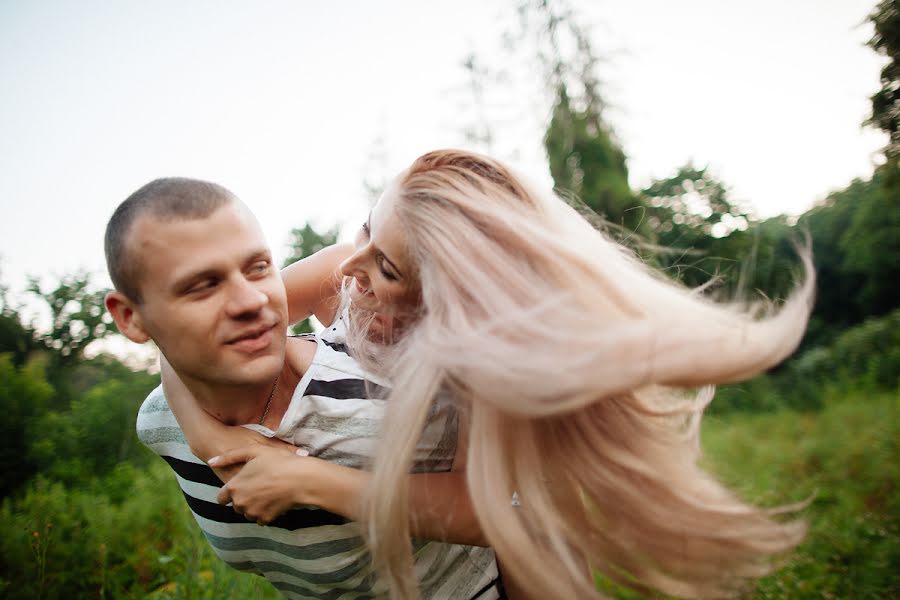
[130,534]
[846,459]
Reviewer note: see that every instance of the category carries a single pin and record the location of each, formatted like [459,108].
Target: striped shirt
[310,552]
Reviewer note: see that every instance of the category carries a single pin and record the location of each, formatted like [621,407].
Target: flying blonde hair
[570,359]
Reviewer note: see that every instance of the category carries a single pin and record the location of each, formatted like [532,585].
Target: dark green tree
[690,206]
[77,316]
[886,101]
[16,338]
[306,241]
[585,158]
[25,394]
[703,236]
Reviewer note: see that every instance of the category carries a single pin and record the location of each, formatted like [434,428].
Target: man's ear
[126,316]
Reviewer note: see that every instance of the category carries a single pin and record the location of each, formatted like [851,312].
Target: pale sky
[283,101]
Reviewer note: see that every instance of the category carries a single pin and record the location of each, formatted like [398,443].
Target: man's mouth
[254,339]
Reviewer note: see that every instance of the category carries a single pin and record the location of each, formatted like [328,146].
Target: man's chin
[260,370]
[259,367]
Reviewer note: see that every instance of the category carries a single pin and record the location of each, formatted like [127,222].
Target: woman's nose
[352,266]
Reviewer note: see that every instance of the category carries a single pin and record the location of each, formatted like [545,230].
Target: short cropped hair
[167,199]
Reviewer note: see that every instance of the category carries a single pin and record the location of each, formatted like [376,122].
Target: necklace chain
[269,401]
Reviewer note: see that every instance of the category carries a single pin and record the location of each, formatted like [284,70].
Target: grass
[844,457]
[130,534]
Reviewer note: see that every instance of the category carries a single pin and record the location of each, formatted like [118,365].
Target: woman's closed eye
[385,270]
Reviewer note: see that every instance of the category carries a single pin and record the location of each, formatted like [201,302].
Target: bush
[865,357]
[24,394]
[97,541]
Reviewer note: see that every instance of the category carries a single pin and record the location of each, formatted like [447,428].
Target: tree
[696,227]
[584,156]
[77,316]
[886,102]
[306,241]
[16,338]
[585,160]
[24,395]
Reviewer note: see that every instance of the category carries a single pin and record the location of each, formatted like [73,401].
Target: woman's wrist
[332,487]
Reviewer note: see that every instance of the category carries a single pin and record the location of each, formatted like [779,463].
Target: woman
[568,359]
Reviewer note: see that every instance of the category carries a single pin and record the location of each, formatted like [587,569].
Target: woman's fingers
[232,457]
[248,453]
[224,496]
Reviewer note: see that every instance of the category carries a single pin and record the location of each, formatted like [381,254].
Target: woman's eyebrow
[378,250]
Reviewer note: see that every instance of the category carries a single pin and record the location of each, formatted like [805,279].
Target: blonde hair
[569,358]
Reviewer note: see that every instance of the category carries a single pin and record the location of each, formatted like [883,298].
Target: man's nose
[245,298]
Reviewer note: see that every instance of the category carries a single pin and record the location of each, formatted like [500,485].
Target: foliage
[871,243]
[691,204]
[585,158]
[701,235]
[78,316]
[95,434]
[586,161]
[886,101]
[24,395]
[16,337]
[856,240]
[865,358]
[94,541]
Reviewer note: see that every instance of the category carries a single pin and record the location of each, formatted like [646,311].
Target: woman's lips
[361,289]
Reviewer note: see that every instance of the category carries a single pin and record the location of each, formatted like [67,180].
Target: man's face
[212,299]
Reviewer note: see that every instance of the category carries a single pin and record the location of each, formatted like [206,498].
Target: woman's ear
[128,319]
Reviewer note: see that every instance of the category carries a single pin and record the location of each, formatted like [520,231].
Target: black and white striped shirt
[312,553]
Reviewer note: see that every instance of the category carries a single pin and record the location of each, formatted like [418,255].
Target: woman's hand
[272,481]
[245,441]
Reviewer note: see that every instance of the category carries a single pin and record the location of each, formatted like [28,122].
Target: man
[193,273]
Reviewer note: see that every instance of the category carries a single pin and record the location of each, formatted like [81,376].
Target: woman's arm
[206,436]
[274,481]
[313,284]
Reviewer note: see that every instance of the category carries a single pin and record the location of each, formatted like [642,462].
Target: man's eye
[203,286]
[260,267]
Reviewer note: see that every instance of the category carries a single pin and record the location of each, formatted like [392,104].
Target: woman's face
[382,278]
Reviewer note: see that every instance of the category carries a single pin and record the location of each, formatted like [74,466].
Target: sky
[292,104]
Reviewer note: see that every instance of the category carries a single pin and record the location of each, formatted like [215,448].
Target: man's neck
[246,404]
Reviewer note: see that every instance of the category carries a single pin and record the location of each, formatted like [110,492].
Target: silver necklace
[269,401]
